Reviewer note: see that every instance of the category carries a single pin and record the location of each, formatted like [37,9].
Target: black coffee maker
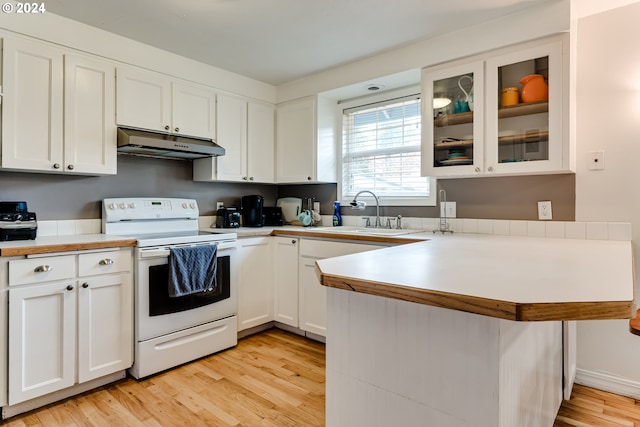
[252,211]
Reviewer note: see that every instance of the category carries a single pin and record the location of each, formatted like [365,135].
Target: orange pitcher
[534,88]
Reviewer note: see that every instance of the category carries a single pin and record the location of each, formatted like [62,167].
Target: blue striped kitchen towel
[192,269]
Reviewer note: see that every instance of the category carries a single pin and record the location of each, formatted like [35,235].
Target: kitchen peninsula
[463,330]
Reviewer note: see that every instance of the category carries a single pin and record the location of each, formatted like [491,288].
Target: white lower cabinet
[286,280]
[255,282]
[70,330]
[312,296]
[42,343]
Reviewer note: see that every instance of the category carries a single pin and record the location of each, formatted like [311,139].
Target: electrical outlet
[595,160]
[448,209]
[544,210]
[219,205]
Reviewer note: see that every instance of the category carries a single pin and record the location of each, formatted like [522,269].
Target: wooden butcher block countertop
[81,242]
[514,278]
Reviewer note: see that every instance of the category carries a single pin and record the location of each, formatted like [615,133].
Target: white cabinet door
[32,106]
[232,135]
[90,144]
[296,141]
[313,299]
[105,325]
[286,280]
[260,142]
[194,110]
[42,339]
[255,282]
[144,100]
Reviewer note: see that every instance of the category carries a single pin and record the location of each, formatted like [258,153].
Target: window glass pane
[381,150]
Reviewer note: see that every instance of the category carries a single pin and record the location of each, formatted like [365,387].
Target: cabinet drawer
[104,263]
[38,270]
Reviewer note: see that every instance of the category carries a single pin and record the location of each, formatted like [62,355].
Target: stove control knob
[122,206]
[185,206]
[19,217]
[111,206]
[192,205]
[132,205]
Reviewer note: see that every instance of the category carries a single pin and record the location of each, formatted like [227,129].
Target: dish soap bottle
[337,218]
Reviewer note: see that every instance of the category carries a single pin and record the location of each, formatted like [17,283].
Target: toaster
[227,218]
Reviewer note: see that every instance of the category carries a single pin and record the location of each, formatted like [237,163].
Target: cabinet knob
[56,165]
[477,170]
[70,167]
[308,178]
[244,178]
[69,287]
[177,129]
[250,178]
[106,261]
[85,285]
[167,127]
[293,241]
[490,168]
[42,268]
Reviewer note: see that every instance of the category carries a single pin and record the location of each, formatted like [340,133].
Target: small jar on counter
[509,96]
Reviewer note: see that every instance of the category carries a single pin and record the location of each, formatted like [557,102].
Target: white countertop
[517,271]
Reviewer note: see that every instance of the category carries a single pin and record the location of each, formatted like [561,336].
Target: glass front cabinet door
[518,122]
[452,117]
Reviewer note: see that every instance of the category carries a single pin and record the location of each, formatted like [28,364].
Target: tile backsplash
[554,229]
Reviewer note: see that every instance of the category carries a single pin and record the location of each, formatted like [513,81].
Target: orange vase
[534,88]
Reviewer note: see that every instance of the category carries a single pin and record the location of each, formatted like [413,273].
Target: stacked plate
[457,157]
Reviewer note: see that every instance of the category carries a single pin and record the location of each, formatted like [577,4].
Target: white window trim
[384,200]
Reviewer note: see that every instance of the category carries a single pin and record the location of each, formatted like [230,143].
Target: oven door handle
[154,253]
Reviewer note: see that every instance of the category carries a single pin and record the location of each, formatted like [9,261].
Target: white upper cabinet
[194,110]
[58,111]
[260,142]
[306,142]
[507,113]
[232,135]
[153,101]
[246,132]
[89,116]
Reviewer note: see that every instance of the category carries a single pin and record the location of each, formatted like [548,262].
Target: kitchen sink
[367,231]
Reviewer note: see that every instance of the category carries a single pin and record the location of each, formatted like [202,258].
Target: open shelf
[523,109]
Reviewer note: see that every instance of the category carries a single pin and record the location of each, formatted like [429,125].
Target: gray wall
[55,197]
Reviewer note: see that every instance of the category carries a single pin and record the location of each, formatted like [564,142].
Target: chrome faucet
[355,204]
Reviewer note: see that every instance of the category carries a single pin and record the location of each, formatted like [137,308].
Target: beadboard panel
[392,362]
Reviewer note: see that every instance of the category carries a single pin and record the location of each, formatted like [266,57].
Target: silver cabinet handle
[106,261]
[251,178]
[167,127]
[244,178]
[85,285]
[70,167]
[177,129]
[490,169]
[56,165]
[42,268]
[69,287]
[477,169]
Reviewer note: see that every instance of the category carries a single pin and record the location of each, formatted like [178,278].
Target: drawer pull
[106,261]
[42,268]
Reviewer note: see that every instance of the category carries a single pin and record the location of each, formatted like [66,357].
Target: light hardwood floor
[272,379]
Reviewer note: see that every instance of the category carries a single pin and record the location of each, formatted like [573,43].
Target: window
[381,152]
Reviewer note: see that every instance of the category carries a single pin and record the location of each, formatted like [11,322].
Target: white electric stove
[171,331]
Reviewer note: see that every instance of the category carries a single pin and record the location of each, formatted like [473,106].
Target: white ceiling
[278,41]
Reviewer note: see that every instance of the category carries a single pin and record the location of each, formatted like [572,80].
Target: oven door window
[160,303]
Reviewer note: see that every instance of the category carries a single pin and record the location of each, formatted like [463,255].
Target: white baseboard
[608,383]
